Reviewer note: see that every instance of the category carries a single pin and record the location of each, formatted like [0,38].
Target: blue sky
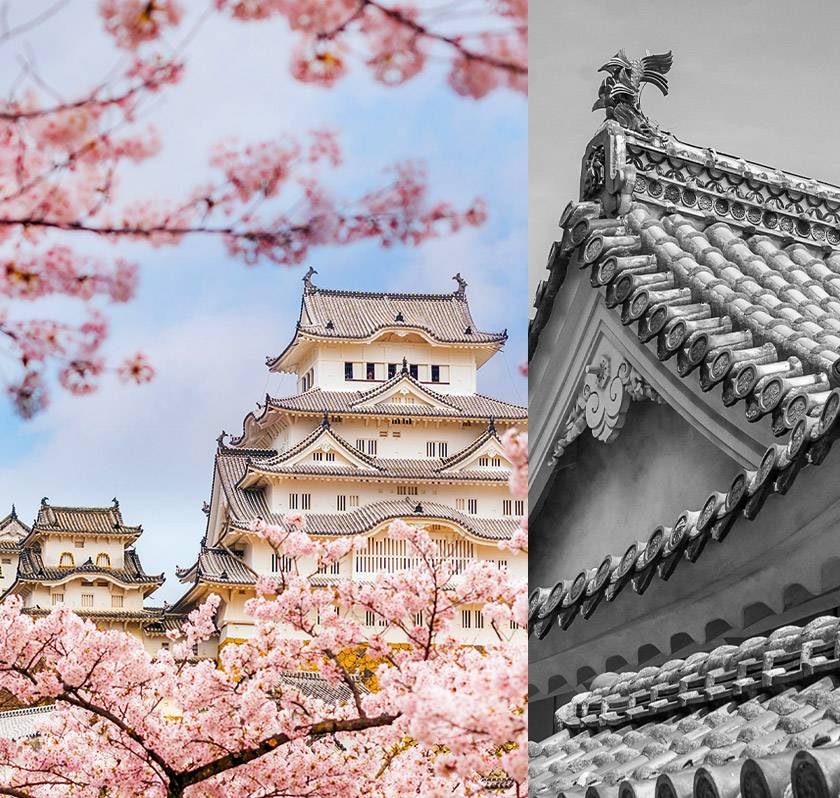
[208,322]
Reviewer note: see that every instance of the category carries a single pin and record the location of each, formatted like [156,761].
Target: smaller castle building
[83,558]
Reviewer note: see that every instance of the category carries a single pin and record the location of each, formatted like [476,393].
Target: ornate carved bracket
[609,385]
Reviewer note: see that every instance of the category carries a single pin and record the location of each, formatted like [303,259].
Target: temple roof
[358,315]
[31,568]
[53,519]
[732,270]
[764,709]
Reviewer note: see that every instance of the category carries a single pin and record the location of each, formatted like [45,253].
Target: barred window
[87,599]
[281,563]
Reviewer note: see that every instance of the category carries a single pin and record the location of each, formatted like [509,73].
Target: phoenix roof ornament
[620,92]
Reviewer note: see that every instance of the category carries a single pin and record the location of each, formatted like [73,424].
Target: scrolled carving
[603,401]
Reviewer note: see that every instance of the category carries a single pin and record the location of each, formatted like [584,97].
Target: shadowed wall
[605,496]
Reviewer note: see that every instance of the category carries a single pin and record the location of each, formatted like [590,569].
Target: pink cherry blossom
[62,163]
[433,717]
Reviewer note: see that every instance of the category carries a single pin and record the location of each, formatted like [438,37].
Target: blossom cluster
[428,716]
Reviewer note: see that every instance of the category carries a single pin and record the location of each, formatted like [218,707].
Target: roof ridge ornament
[620,92]
[461,291]
[325,421]
[220,441]
[404,366]
[308,286]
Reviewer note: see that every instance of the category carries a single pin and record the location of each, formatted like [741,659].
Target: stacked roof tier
[728,271]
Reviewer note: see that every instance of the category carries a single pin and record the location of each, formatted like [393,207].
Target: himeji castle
[386,424]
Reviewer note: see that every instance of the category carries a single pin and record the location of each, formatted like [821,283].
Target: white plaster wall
[8,570]
[327,360]
[53,547]
[41,595]
[490,497]
[410,443]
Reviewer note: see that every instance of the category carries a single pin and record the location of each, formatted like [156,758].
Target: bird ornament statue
[620,91]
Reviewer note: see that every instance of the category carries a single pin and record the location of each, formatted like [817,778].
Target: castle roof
[732,270]
[359,315]
[10,524]
[753,717]
[217,565]
[31,568]
[80,521]
[362,465]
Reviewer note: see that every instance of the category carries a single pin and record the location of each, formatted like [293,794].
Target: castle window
[103,560]
[392,370]
[466,619]
[436,449]
[370,618]
[340,502]
[413,370]
[370,371]
[300,501]
[479,619]
[57,598]
[484,461]
[318,456]
[79,544]
[367,445]
[307,380]
[348,370]
[459,504]
[330,457]
[519,506]
[7,561]
[507,507]
[514,625]
[472,506]
[66,560]
[334,569]
[406,490]
[417,618]
[116,602]
[87,599]
[281,564]
[354,501]
[435,373]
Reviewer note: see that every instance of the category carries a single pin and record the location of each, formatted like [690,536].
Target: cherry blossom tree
[428,717]
[62,160]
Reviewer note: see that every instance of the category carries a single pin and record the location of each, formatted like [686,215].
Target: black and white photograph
[684,364]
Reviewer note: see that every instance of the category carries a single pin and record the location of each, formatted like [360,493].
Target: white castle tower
[386,424]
